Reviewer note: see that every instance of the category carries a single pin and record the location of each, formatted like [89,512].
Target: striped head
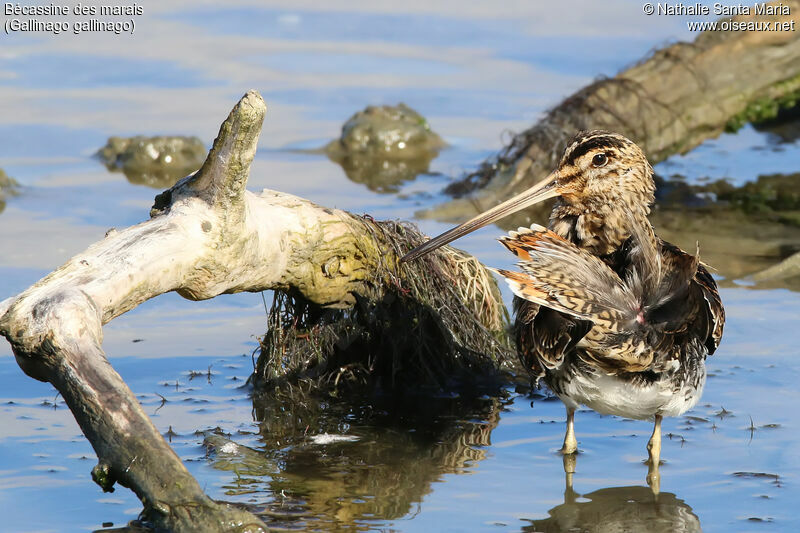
[603,172]
[602,179]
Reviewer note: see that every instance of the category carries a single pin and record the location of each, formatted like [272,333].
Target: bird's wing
[559,275]
[545,336]
[697,311]
[643,322]
[716,312]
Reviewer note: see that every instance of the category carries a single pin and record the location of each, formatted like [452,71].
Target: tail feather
[653,280]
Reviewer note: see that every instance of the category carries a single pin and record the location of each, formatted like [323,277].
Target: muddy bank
[8,187]
[384,146]
[772,197]
[157,162]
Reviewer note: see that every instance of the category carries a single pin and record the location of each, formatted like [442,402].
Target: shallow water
[475,71]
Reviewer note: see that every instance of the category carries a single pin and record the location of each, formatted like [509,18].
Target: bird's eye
[599,160]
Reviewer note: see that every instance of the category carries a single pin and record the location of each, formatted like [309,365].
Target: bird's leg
[654,450]
[570,444]
[654,446]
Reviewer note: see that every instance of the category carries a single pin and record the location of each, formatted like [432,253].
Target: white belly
[611,395]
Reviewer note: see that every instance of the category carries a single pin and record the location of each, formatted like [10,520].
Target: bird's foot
[570,446]
[654,460]
[654,452]
[570,449]
[654,444]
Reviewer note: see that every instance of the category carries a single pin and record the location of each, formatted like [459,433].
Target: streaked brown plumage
[607,314]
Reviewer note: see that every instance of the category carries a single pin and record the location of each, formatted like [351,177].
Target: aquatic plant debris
[448,305]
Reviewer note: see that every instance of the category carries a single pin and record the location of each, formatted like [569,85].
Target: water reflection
[7,188]
[157,162]
[382,174]
[347,464]
[784,128]
[618,509]
[331,464]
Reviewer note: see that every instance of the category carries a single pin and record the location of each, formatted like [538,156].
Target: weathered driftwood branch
[669,103]
[207,236]
[55,327]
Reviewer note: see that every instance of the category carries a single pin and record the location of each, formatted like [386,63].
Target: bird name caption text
[79,18]
[727,10]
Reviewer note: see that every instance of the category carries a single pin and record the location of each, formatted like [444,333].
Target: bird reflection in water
[616,510]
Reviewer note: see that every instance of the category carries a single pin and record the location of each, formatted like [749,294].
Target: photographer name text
[679,8]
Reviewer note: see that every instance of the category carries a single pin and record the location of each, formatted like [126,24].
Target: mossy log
[668,103]
[206,236]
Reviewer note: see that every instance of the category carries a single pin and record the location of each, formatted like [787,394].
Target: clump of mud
[157,162]
[384,146]
[8,187]
[441,322]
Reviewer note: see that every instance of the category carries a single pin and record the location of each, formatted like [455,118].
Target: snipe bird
[607,314]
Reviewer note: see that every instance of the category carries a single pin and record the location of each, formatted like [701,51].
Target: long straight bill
[547,188]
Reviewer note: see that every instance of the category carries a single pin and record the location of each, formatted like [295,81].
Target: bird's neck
[601,230]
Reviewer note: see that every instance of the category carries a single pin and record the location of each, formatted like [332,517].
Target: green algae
[767,107]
